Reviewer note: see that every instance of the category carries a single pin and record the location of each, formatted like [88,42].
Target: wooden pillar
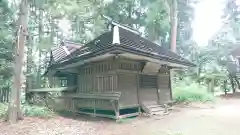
[116,103]
[115,67]
[94,109]
[158,90]
[171,77]
[117,110]
[138,94]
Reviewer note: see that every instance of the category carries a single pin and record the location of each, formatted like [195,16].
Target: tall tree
[14,111]
[174,24]
[185,43]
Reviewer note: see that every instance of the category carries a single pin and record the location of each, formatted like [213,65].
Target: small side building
[236,54]
[118,74]
[234,65]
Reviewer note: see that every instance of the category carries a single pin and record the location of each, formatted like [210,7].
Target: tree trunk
[14,111]
[40,32]
[173,25]
[173,34]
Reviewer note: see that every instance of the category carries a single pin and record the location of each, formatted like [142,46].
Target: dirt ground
[221,118]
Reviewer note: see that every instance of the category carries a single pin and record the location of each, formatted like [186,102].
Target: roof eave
[116,49]
[180,62]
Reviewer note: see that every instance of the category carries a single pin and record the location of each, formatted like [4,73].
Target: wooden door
[164,91]
[148,88]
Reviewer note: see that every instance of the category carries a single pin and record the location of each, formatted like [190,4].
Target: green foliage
[28,110]
[157,19]
[191,92]
[6,48]
[36,111]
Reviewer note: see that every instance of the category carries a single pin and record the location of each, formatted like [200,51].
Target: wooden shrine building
[116,75]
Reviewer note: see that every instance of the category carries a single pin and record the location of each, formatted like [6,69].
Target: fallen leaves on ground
[52,126]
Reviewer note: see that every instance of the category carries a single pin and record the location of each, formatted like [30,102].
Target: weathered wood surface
[113,85]
[60,89]
[105,95]
[127,85]
[98,115]
[164,88]
[153,108]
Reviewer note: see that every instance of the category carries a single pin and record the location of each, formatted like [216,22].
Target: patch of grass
[193,92]
[28,110]
[3,110]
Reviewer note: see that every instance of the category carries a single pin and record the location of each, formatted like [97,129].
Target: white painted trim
[66,50]
[126,28]
[116,38]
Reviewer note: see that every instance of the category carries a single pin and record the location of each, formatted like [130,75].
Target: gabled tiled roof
[60,52]
[130,42]
[97,44]
[142,44]
[63,50]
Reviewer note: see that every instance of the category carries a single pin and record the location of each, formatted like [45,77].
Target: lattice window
[128,66]
[63,82]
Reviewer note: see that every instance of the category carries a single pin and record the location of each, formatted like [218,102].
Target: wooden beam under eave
[71,70]
[151,67]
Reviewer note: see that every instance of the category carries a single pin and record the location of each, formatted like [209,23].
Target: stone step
[157,109]
[157,113]
[154,106]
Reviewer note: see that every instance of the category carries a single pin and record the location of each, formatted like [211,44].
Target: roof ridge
[68,41]
[158,46]
[75,46]
[124,26]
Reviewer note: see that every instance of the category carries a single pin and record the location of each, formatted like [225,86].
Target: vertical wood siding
[148,88]
[127,85]
[121,76]
[97,78]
